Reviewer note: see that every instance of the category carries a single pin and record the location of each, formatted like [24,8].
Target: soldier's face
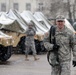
[30,26]
[60,24]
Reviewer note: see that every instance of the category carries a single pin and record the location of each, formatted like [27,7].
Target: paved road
[17,65]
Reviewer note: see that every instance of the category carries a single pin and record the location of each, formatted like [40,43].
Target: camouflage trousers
[30,46]
[63,69]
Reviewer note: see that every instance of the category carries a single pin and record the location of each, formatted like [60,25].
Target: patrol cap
[60,18]
[30,23]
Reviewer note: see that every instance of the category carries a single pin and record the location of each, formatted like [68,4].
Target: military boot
[35,58]
[26,58]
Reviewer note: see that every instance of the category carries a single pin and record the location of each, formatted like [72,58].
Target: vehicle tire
[5,53]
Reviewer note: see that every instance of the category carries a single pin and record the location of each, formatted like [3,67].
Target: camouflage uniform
[63,38]
[29,42]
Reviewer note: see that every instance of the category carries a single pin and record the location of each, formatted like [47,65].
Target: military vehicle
[9,27]
[14,25]
[5,46]
[5,43]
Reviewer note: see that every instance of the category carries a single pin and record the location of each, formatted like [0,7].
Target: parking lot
[17,65]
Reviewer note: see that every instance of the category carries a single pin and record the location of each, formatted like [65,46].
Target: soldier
[65,42]
[29,42]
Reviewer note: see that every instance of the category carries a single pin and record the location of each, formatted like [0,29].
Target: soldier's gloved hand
[74,63]
[56,46]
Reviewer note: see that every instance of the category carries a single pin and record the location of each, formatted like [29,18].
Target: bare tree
[64,8]
[69,10]
[58,7]
[74,10]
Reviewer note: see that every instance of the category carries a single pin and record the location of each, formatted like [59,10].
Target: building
[50,8]
[21,5]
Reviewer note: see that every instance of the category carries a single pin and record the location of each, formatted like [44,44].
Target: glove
[56,47]
[74,63]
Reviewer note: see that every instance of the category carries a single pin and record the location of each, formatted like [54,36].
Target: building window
[3,7]
[28,6]
[16,6]
[40,6]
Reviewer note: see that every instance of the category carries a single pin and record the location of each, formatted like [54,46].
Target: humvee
[5,47]
[15,28]
[10,27]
